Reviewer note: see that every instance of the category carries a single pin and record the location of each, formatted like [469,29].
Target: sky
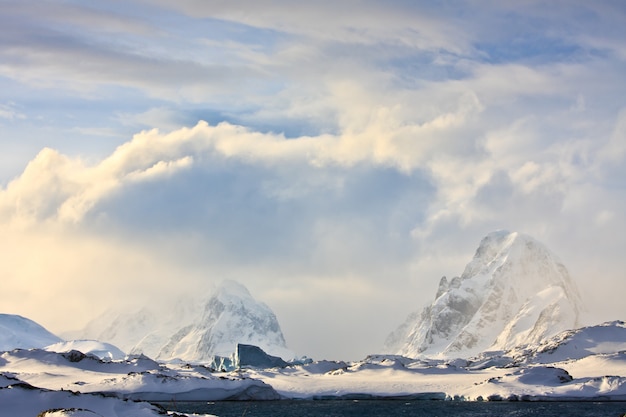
[336,157]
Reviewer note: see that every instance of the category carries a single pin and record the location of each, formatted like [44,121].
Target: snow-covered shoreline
[588,364]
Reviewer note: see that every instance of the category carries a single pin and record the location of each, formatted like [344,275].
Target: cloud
[351,152]
[69,49]
[385,196]
[8,111]
[207,203]
[56,187]
[351,22]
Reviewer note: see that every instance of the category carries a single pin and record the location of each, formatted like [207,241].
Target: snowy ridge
[195,328]
[20,332]
[513,291]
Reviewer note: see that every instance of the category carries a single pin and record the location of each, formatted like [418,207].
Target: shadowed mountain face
[514,291]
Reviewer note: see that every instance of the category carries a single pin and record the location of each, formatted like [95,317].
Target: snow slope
[194,329]
[20,332]
[20,400]
[514,291]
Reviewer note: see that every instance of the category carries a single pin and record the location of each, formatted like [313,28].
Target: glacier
[514,291]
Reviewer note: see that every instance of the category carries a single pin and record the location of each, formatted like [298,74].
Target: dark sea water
[400,408]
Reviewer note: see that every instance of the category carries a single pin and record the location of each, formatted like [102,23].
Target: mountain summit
[231,316]
[514,291]
[195,328]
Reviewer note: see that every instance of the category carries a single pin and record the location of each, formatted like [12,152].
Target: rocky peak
[513,291]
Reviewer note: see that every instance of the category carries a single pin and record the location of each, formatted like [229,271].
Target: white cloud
[367,146]
[351,22]
[57,186]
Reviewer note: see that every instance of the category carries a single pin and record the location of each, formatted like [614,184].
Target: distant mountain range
[514,293]
[505,330]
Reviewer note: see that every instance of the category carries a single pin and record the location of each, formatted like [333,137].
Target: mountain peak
[196,328]
[513,291]
[497,247]
[229,290]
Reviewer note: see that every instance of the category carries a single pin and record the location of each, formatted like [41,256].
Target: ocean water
[371,408]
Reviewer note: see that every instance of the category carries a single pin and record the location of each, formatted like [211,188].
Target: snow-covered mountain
[194,328]
[229,317]
[514,291]
[20,332]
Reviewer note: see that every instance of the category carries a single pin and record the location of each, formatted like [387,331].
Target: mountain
[121,328]
[514,291]
[195,328]
[20,332]
[231,316]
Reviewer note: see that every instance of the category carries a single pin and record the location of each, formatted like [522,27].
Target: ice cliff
[514,291]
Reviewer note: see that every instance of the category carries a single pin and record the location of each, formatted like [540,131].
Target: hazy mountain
[194,328]
[514,291]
